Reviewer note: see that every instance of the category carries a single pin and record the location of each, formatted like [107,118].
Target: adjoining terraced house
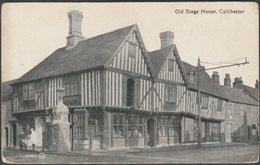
[118,94]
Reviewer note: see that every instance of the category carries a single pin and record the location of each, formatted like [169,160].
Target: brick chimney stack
[75,35]
[256,84]
[215,77]
[238,83]
[227,80]
[166,39]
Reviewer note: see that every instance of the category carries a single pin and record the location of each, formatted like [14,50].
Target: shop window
[135,126]
[204,101]
[130,92]
[92,126]
[79,125]
[162,127]
[118,126]
[174,128]
[171,65]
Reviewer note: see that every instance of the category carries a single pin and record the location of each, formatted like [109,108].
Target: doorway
[6,137]
[151,132]
[14,134]
[229,133]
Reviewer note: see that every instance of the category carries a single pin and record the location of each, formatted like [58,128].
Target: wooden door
[229,132]
[151,132]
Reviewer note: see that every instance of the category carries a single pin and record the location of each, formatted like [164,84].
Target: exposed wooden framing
[129,73]
[170,82]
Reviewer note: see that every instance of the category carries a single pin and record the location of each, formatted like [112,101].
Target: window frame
[29,92]
[174,127]
[117,126]
[79,123]
[135,126]
[163,127]
[71,85]
[204,101]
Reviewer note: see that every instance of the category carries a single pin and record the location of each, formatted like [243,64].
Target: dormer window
[191,76]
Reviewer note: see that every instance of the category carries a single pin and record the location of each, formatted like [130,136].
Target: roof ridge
[109,32]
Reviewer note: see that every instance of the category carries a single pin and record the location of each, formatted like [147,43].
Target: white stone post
[60,126]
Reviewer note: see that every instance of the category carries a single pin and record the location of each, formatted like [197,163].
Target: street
[211,154]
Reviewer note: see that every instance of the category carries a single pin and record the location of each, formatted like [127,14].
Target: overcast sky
[32,31]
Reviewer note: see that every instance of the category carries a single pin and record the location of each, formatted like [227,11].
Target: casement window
[170,92]
[39,86]
[162,127]
[72,85]
[135,126]
[131,50]
[79,125]
[28,91]
[219,106]
[118,126]
[71,89]
[204,101]
[171,65]
[174,128]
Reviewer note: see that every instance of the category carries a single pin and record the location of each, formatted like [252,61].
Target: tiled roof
[90,53]
[237,95]
[253,92]
[206,83]
[6,90]
[158,58]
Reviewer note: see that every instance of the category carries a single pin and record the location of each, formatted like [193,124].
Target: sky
[32,31]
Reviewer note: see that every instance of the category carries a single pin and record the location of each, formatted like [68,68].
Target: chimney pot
[227,81]
[75,35]
[166,39]
[215,77]
[238,83]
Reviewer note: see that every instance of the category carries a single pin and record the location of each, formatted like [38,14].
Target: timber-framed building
[118,93]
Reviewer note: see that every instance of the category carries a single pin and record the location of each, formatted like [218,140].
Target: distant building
[242,113]
[7,130]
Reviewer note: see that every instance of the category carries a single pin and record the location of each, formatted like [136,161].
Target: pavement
[184,153]
[116,151]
